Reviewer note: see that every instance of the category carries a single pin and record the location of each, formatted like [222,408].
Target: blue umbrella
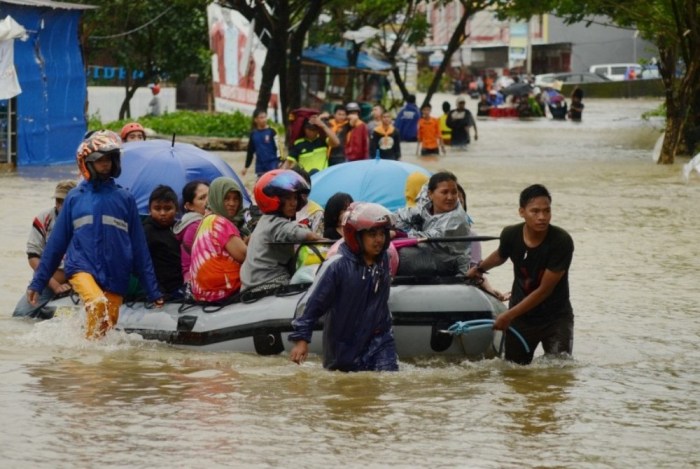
[379,181]
[147,164]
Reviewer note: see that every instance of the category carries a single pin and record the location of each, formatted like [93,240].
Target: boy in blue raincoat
[352,290]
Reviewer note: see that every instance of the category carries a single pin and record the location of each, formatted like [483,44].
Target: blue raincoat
[357,329]
[100,232]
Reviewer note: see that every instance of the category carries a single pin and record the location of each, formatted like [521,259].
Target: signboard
[237,59]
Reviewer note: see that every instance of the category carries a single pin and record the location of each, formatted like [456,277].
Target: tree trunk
[349,94]
[400,82]
[125,109]
[274,62]
[456,40]
[292,100]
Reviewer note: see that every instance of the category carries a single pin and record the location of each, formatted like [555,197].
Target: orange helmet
[97,145]
[132,127]
[277,183]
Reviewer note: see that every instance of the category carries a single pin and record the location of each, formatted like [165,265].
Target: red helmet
[132,127]
[97,145]
[276,183]
[363,216]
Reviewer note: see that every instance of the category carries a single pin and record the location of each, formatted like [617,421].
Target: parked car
[617,72]
[650,71]
[572,78]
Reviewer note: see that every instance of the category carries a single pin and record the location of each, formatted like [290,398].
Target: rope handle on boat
[464,327]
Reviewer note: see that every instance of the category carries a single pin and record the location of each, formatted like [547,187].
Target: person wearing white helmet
[101,236]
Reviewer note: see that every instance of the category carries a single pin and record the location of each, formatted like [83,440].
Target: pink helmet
[362,216]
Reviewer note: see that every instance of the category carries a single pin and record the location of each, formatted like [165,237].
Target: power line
[126,33]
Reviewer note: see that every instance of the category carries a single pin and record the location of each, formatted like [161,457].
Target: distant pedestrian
[385,140]
[445,131]
[407,120]
[429,136]
[262,144]
[357,142]
[576,109]
[460,120]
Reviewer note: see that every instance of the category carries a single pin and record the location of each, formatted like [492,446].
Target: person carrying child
[262,145]
[100,233]
[279,194]
[352,291]
[219,250]
[162,243]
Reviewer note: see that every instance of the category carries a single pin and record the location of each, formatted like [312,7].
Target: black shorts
[429,151]
[556,336]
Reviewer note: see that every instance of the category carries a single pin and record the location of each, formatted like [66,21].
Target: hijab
[217,193]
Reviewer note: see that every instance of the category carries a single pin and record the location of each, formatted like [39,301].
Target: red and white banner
[237,60]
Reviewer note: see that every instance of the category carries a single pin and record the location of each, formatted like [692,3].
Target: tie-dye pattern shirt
[214,273]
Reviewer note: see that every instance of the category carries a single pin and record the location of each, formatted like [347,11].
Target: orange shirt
[428,132]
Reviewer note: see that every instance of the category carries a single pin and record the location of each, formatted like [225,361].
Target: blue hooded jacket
[357,329]
[100,232]
[406,122]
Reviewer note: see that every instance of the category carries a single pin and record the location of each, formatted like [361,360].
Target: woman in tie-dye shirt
[218,249]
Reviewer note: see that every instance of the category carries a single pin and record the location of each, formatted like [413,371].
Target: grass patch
[202,124]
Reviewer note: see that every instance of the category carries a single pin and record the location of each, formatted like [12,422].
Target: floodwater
[629,398]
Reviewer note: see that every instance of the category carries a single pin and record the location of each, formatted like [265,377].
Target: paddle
[403,242]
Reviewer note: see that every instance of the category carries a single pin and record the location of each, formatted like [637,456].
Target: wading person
[100,233]
[541,254]
[41,229]
[353,292]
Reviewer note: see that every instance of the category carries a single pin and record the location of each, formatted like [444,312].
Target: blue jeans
[25,309]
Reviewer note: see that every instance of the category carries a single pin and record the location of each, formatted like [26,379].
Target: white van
[616,72]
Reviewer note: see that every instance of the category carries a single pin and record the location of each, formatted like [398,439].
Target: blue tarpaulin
[50,69]
[337,57]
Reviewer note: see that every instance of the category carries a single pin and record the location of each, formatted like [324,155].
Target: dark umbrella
[147,164]
[517,89]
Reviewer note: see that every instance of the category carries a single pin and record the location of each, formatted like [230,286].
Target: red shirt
[357,143]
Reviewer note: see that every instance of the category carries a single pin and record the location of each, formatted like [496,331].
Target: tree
[286,23]
[398,21]
[672,25]
[163,39]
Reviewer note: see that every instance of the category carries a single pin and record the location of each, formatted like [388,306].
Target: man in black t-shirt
[541,254]
[460,120]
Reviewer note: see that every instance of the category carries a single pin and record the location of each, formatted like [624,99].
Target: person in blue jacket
[262,144]
[352,291]
[407,120]
[101,235]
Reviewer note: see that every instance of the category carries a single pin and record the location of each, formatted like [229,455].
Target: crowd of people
[204,246]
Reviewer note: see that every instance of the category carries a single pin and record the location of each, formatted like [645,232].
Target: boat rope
[464,327]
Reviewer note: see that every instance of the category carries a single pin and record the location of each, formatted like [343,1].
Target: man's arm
[332,137]
[549,281]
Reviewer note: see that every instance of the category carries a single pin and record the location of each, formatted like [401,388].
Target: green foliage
[660,111]
[425,77]
[203,124]
[166,39]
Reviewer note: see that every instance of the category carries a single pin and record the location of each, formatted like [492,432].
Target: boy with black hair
[162,242]
[541,254]
[429,136]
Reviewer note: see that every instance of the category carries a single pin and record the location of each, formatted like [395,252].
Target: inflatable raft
[421,315]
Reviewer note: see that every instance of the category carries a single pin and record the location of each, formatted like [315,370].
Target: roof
[49,4]
[337,57]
